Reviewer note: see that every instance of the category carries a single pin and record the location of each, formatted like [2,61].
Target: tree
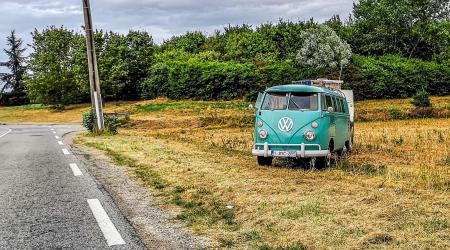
[124,63]
[16,65]
[403,27]
[285,37]
[52,78]
[248,46]
[191,42]
[323,49]
[139,60]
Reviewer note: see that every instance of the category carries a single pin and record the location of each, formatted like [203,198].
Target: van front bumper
[299,150]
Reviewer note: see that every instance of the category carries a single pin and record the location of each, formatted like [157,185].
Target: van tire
[352,138]
[349,145]
[320,162]
[264,161]
[344,151]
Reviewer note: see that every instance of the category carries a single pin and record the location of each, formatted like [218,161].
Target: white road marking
[7,132]
[110,232]
[52,129]
[76,171]
[54,132]
[65,151]
[57,137]
[60,143]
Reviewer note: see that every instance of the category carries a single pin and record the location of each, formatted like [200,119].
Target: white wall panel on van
[351,104]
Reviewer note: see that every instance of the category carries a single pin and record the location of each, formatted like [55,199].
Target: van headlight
[309,135]
[263,134]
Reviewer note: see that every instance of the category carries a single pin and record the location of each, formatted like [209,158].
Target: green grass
[310,208]
[149,177]
[435,224]
[28,107]
[252,235]
[192,105]
[365,168]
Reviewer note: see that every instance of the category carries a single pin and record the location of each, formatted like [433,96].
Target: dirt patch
[378,239]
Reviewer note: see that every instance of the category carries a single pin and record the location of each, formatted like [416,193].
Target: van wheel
[264,161]
[344,151]
[349,145]
[352,139]
[341,154]
[320,162]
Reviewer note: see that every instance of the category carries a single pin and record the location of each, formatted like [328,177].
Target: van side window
[343,106]
[323,102]
[329,101]
[335,104]
[340,108]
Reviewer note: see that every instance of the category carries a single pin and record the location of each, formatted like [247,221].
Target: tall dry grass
[391,192]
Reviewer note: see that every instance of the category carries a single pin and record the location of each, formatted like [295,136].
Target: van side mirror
[330,109]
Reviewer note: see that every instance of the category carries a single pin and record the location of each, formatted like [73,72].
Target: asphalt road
[48,200]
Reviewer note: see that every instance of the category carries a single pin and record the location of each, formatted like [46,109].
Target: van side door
[329,115]
[341,124]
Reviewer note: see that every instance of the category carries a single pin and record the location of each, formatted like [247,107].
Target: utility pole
[94,80]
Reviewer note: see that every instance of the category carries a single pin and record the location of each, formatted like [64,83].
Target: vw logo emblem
[285,124]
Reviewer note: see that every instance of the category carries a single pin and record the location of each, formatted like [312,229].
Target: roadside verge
[155,226]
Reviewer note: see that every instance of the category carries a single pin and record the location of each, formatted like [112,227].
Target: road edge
[152,224]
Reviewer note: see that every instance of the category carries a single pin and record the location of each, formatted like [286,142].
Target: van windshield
[275,101]
[291,101]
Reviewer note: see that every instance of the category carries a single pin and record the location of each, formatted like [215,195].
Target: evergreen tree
[17,67]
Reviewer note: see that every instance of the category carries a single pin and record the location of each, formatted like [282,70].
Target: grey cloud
[161,18]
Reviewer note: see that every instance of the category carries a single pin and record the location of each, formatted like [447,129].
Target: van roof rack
[334,85]
[321,82]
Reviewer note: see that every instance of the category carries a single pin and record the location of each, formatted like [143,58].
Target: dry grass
[42,114]
[392,192]
[383,110]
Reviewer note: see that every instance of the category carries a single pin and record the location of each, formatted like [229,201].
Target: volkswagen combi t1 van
[308,119]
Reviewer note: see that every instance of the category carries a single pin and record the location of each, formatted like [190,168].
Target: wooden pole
[94,80]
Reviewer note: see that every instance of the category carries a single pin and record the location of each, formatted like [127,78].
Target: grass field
[393,191]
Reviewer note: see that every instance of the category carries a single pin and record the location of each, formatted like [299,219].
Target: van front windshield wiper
[298,106]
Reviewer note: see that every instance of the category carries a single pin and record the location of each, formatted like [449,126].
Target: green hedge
[396,77]
[198,79]
[369,77]
[207,80]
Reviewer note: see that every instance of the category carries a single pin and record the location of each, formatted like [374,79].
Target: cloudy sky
[161,18]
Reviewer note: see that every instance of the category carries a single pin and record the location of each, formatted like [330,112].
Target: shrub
[88,120]
[112,124]
[421,99]
[395,114]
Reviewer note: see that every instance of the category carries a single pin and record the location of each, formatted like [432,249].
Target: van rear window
[291,101]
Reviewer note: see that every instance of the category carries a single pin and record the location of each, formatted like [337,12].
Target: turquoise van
[310,119]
